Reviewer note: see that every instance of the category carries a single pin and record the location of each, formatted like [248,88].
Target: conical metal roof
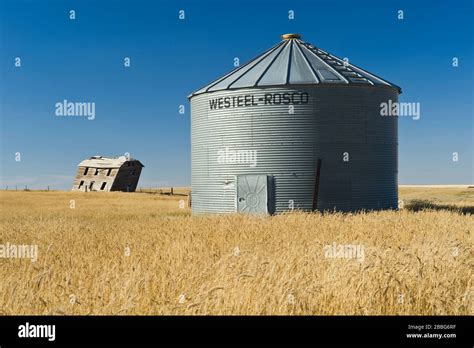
[294,62]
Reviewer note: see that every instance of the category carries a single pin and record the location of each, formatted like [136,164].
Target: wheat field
[138,253]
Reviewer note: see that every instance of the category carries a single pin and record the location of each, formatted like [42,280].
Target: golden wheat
[118,253]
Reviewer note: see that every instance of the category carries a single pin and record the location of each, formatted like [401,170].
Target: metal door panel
[252,194]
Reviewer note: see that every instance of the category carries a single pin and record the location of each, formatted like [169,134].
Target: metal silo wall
[336,119]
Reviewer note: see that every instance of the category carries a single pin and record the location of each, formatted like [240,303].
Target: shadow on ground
[419,205]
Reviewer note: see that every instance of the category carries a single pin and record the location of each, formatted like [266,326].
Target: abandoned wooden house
[100,173]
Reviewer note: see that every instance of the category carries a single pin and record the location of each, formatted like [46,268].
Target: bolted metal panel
[342,126]
[252,194]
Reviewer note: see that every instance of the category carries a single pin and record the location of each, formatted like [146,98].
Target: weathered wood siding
[127,177]
[124,178]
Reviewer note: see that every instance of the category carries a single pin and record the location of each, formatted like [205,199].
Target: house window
[81,183]
[133,164]
[109,172]
[86,170]
[91,185]
[133,172]
[96,171]
[103,186]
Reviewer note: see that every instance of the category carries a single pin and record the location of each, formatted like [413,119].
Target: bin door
[252,194]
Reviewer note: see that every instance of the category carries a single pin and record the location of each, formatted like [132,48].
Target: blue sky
[137,107]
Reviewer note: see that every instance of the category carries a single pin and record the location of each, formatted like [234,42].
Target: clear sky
[137,108]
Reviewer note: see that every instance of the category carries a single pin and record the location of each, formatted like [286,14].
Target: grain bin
[294,128]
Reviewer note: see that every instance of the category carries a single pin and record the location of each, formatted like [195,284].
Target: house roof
[295,62]
[106,162]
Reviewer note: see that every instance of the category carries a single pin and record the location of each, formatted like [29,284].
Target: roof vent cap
[290,36]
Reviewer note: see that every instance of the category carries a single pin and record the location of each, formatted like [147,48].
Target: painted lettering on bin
[249,100]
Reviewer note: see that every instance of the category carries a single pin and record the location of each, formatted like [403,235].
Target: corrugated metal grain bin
[294,128]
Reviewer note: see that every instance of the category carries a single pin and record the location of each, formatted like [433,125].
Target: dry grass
[415,262]
[454,196]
